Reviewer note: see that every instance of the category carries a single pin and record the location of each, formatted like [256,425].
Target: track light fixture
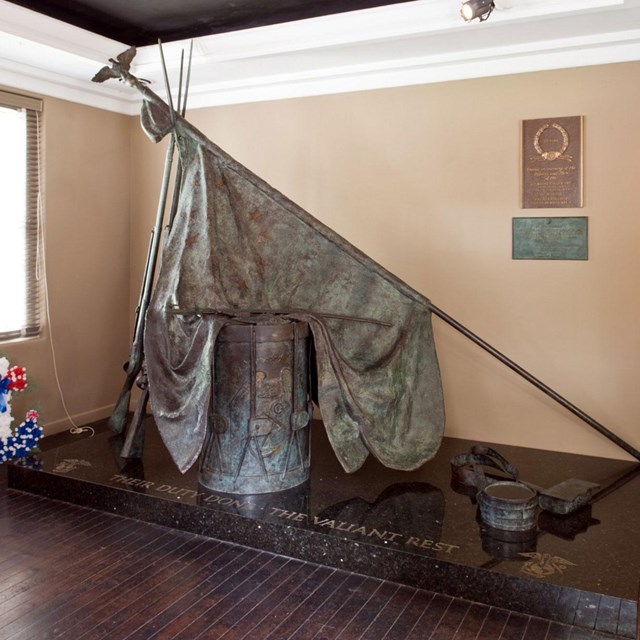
[473,9]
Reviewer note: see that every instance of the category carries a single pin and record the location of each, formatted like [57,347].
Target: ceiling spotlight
[473,9]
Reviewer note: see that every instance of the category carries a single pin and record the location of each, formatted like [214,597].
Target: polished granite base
[409,527]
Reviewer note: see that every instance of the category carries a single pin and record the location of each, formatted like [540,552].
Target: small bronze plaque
[550,238]
[552,163]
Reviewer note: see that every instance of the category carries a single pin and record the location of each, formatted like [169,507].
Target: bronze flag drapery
[238,244]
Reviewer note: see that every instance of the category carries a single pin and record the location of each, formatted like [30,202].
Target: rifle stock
[118,417]
[119,414]
[134,441]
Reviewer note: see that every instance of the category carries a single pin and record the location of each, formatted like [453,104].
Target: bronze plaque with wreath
[552,163]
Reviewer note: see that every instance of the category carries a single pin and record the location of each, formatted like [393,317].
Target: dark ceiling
[142,22]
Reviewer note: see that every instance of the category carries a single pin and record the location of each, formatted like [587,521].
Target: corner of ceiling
[409,43]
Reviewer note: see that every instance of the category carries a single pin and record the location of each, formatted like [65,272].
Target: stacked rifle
[135,366]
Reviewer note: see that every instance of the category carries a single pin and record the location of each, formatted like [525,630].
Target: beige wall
[425,179]
[86,210]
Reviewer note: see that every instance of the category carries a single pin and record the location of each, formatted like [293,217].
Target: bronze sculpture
[238,244]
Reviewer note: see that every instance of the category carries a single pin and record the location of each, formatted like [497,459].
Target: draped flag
[238,244]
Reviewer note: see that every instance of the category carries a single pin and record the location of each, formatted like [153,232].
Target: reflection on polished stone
[507,545]
[411,527]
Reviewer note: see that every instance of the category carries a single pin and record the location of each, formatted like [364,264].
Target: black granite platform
[409,527]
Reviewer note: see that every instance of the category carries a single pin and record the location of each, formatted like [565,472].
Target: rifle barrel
[118,417]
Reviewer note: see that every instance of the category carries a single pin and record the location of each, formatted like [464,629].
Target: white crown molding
[403,44]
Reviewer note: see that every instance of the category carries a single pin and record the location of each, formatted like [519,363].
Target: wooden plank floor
[75,573]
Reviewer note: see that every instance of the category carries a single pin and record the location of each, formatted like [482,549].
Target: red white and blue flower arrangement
[18,444]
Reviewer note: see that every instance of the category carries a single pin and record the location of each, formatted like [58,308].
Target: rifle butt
[134,441]
[118,418]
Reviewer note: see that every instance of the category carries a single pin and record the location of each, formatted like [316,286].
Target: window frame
[33,108]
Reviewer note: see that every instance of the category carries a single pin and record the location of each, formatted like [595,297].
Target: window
[19,215]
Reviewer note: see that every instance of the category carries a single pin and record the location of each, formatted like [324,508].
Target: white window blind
[20,294]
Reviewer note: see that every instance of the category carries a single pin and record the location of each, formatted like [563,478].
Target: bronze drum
[258,436]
